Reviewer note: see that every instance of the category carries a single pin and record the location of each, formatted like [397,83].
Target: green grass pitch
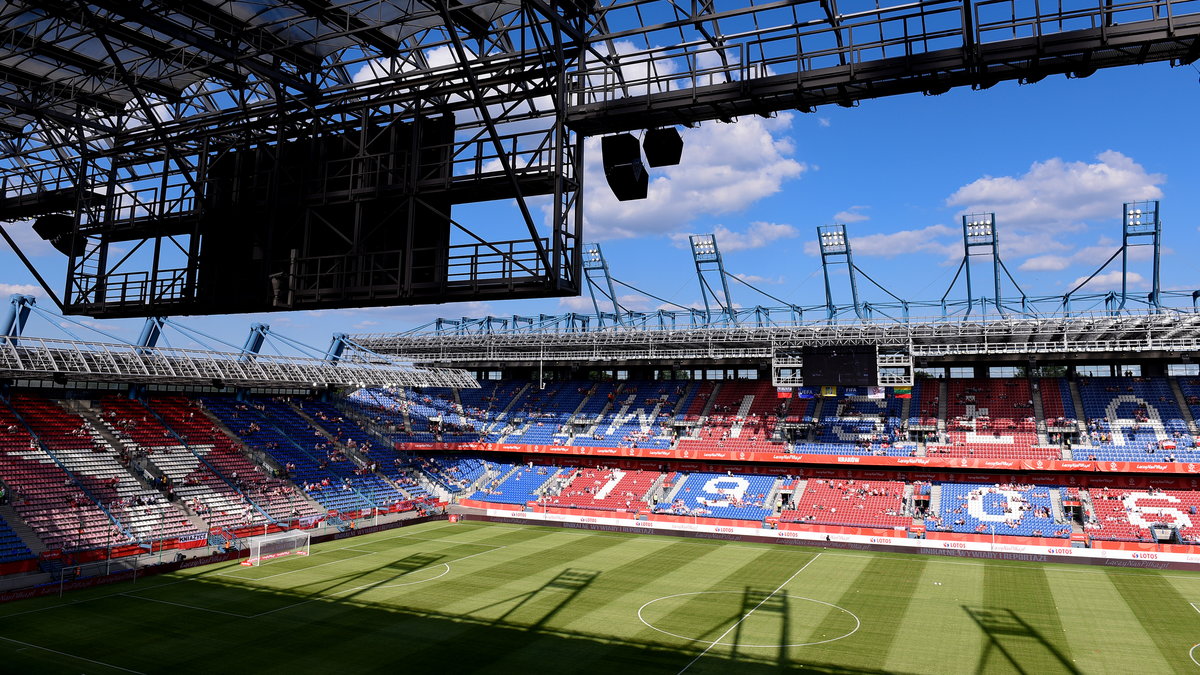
[479,597]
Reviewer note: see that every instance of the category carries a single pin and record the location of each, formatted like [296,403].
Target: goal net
[277,546]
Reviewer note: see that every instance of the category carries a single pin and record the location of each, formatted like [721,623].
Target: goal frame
[301,543]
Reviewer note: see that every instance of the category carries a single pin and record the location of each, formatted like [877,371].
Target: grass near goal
[277,546]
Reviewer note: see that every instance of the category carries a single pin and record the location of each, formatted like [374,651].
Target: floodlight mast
[598,279]
[835,249]
[981,238]
[707,257]
[1140,221]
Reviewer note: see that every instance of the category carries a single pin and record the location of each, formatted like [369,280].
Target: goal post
[277,546]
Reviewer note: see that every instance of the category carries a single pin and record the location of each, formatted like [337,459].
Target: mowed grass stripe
[787,618]
[507,573]
[1104,633]
[523,595]
[1019,621]
[1164,614]
[704,617]
[933,629]
[609,606]
[879,593]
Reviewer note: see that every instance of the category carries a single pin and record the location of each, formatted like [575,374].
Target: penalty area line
[345,591]
[71,656]
[747,614]
[181,604]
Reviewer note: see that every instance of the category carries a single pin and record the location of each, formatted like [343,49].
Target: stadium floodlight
[295,542]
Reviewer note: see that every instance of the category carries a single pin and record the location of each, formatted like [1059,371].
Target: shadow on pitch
[1013,639]
[557,592]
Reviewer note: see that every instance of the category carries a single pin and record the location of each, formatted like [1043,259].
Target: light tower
[1140,226]
[1140,222]
[708,259]
[595,273]
[835,249]
[980,238]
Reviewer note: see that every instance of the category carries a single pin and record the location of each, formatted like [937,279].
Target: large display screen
[847,365]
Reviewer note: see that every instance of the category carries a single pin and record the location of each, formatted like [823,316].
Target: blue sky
[1054,160]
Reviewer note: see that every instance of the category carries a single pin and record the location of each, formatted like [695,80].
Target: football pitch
[481,597]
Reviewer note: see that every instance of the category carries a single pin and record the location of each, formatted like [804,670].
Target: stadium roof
[1096,335]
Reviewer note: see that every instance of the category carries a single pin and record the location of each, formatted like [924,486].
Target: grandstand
[811,461]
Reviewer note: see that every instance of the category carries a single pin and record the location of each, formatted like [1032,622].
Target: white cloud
[1059,194]
[755,279]
[725,168]
[29,241]
[1094,256]
[854,214]
[1111,280]
[578,303]
[21,289]
[824,122]
[583,303]
[937,239]
[757,235]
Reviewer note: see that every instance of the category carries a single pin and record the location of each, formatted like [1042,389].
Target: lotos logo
[880,540]
[1059,551]
[953,544]
[1145,556]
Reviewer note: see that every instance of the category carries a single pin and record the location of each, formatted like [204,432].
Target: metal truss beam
[40,358]
[1169,331]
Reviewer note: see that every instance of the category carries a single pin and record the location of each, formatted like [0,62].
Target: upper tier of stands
[314,462]
[855,423]
[101,473]
[637,415]
[1135,418]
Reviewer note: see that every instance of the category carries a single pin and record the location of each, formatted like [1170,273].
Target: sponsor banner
[695,454]
[944,544]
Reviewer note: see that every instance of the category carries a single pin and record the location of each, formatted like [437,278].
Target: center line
[739,621]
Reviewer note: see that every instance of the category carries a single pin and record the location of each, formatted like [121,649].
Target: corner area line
[747,615]
[72,656]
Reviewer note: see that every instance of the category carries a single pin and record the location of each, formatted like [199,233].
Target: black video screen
[847,366]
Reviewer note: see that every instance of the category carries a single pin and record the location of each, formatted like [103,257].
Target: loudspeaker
[58,229]
[623,167]
[664,147]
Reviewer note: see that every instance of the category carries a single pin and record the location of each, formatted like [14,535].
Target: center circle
[755,610]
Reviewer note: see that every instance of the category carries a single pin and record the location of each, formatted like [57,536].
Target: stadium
[582,473]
